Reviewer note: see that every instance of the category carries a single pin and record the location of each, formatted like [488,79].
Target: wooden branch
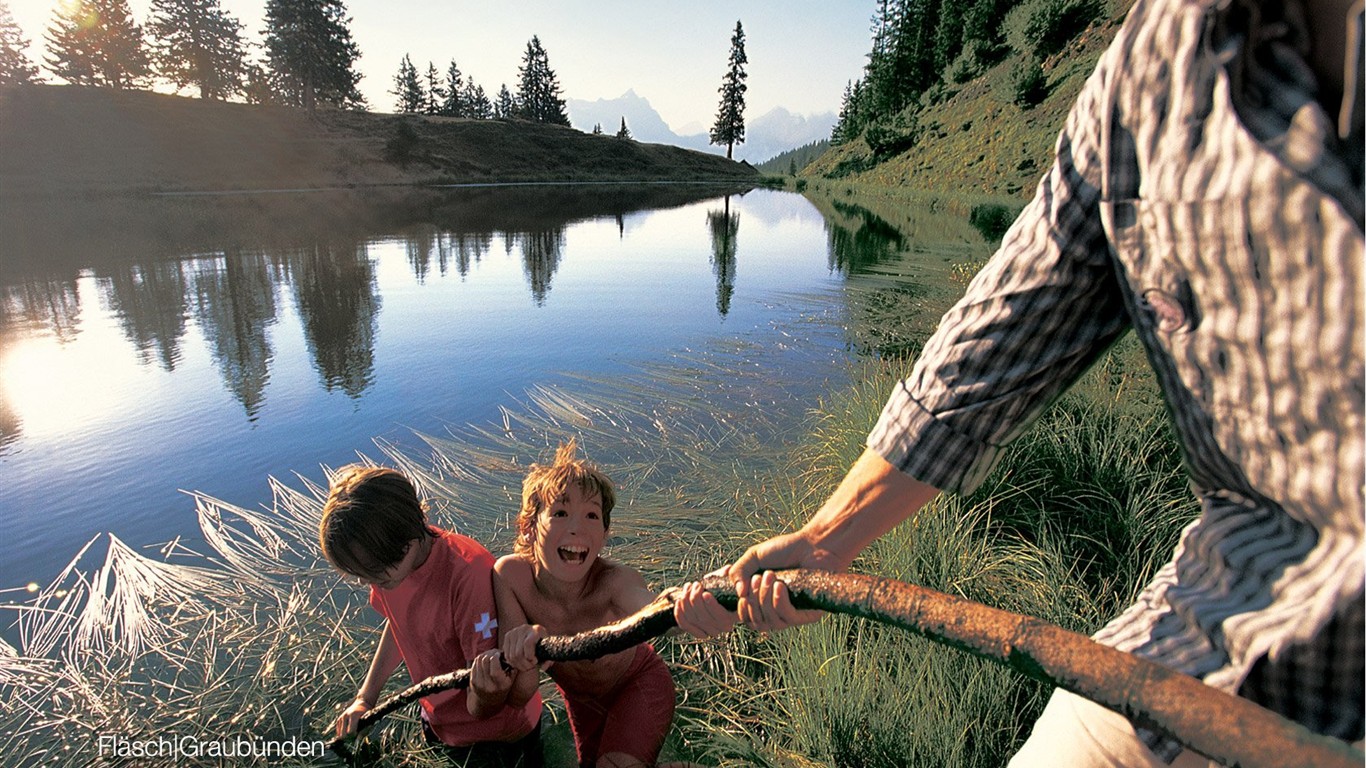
[1229,730]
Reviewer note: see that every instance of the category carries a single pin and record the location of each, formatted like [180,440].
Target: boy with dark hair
[435,590]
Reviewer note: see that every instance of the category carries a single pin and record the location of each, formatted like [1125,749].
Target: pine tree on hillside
[477,102]
[15,67]
[454,103]
[311,53]
[95,42]
[410,99]
[623,132]
[729,128]
[538,97]
[436,93]
[505,106]
[257,85]
[197,43]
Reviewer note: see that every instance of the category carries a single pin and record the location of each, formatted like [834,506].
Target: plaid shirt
[1202,197]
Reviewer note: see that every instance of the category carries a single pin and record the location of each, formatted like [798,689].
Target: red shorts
[632,719]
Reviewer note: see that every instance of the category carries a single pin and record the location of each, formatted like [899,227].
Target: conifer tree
[15,67]
[95,42]
[436,93]
[623,132]
[539,99]
[477,102]
[257,87]
[311,53]
[408,93]
[454,103]
[196,43]
[505,106]
[597,129]
[729,128]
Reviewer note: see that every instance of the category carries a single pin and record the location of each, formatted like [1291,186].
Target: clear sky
[801,52]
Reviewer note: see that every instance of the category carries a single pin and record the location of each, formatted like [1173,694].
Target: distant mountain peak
[767,135]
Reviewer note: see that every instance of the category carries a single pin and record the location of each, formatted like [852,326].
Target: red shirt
[442,616]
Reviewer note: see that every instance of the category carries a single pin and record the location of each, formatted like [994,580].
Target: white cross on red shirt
[485,625]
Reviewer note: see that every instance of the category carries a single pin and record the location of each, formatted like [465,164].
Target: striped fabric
[1203,198]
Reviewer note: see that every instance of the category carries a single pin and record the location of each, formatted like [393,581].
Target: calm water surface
[209,344]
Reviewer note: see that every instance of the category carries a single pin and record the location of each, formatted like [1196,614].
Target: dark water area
[152,346]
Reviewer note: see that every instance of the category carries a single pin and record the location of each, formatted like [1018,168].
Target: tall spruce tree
[15,67]
[538,98]
[504,106]
[454,104]
[477,102]
[435,91]
[196,43]
[95,42]
[729,128]
[408,93]
[311,53]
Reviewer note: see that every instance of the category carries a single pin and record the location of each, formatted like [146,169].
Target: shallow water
[207,344]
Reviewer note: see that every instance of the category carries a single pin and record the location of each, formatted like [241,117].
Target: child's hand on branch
[519,646]
[698,613]
[350,718]
[488,677]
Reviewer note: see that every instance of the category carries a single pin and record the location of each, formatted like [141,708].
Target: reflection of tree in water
[724,226]
[869,242]
[151,303]
[51,305]
[424,241]
[338,303]
[420,241]
[236,301]
[540,259]
[468,249]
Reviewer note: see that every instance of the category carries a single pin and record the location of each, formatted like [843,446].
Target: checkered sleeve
[1039,313]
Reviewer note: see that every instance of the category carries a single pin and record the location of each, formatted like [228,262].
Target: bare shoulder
[615,575]
[514,569]
[625,587]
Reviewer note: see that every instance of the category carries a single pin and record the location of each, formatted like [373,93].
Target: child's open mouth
[573,553]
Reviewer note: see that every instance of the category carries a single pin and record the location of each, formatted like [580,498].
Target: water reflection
[861,239]
[220,262]
[152,304]
[540,259]
[724,226]
[235,304]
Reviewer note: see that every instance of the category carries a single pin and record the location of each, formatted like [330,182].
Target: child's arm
[387,658]
[510,614]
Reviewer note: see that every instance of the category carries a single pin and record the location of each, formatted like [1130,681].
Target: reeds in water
[256,636]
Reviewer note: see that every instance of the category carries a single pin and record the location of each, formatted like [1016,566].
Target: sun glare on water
[48,385]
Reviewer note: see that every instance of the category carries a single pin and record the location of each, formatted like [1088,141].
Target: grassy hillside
[975,140]
[57,139]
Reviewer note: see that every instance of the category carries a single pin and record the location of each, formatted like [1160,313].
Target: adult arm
[871,500]
[1037,315]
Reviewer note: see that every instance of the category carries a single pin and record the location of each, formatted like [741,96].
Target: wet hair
[371,515]
[544,485]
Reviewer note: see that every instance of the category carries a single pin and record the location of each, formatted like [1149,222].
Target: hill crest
[60,138]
